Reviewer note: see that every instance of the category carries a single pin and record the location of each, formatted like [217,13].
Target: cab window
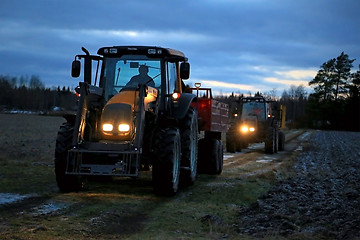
[171,77]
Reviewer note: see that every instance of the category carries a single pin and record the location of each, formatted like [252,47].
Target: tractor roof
[253,99]
[150,51]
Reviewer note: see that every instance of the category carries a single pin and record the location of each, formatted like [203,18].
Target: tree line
[30,94]
[334,103]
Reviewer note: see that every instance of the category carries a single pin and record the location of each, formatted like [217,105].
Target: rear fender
[180,106]
[70,118]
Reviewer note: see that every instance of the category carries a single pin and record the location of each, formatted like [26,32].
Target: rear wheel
[189,148]
[276,139]
[166,167]
[66,183]
[281,141]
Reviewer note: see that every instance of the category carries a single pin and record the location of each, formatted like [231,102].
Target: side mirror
[184,70]
[75,68]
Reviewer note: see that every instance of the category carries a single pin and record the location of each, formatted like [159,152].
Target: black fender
[181,105]
[70,118]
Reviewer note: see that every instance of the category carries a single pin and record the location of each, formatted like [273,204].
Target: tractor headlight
[107,127]
[124,128]
[244,129]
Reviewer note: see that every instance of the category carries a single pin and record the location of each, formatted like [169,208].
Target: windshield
[253,109]
[129,72]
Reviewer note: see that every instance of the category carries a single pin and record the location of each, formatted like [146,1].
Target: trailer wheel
[189,148]
[210,156]
[270,140]
[66,183]
[281,141]
[166,166]
[220,161]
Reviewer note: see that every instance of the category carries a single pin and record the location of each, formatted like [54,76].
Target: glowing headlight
[124,127]
[107,127]
[244,129]
[252,129]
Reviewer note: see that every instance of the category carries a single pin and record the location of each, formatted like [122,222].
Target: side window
[171,77]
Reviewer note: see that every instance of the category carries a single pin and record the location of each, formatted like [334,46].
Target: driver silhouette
[141,78]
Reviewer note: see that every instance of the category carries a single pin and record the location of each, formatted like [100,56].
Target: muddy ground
[321,200]
[309,191]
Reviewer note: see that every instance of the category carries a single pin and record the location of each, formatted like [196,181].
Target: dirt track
[322,200]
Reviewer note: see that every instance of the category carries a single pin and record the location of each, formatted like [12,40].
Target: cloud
[285,79]
[134,35]
[298,74]
[224,85]
[286,82]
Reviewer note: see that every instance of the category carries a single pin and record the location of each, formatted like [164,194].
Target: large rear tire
[276,139]
[281,141]
[66,183]
[189,148]
[166,166]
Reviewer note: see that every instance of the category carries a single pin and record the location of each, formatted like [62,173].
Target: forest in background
[334,104]
[30,94]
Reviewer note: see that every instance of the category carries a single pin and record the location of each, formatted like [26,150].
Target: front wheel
[66,183]
[231,143]
[189,148]
[166,167]
[270,140]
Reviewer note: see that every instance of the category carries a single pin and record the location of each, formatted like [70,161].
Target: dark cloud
[241,42]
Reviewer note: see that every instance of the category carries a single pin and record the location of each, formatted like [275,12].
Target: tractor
[133,114]
[254,119]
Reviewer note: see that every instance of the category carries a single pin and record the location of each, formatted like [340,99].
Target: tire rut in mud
[321,200]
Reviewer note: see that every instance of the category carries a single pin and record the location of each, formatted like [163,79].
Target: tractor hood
[117,118]
[249,124]
[117,121]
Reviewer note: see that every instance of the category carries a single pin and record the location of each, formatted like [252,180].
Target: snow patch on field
[6,198]
[265,159]
[48,208]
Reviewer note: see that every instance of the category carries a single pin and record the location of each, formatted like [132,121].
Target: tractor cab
[256,123]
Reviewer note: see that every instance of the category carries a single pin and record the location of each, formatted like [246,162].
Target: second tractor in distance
[256,120]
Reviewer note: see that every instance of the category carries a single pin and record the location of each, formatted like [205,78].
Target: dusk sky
[232,45]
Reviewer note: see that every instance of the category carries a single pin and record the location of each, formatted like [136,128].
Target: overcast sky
[232,45]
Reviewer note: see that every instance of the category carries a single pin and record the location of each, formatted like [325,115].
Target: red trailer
[213,120]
